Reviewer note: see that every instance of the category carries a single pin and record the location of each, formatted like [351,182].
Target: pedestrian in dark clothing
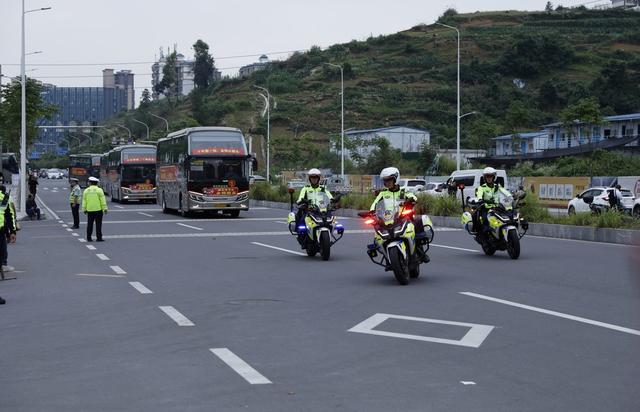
[8,229]
[33,185]
[32,208]
[74,200]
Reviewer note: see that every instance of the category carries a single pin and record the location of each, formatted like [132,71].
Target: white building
[407,139]
[184,75]
[245,71]
[521,144]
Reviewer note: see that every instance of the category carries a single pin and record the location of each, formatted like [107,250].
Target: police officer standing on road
[74,200]
[94,206]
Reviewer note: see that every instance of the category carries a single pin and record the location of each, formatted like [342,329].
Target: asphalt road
[215,322]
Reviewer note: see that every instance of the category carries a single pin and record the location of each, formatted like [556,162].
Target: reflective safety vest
[93,199]
[5,202]
[490,194]
[312,194]
[392,198]
[75,192]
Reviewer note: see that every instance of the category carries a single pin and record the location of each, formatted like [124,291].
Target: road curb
[585,233]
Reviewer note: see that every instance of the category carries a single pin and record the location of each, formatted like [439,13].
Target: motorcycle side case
[466,218]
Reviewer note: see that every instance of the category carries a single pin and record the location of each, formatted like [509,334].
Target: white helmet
[489,171]
[388,172]
[314,172]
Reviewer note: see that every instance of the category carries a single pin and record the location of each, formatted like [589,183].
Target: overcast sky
[132,31]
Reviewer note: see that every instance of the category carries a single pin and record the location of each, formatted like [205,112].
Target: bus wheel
[183,213]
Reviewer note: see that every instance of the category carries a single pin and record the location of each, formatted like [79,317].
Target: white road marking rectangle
[75,234]
[176,316]
[82,240]
[102,256]
[241,367]
[554,313]
[95,275]
[65,225]
[118,270]
[69,230]
[293,252]
[189,226]
[91,247]
[140,288]
[145,214]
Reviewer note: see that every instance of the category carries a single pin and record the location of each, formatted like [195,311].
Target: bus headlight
[196,196]
[241,197]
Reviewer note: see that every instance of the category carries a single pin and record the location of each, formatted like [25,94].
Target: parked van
[472,179]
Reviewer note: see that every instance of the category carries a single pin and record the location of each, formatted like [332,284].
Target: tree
[382,156]
[203,67]
[585,111]
[426,157]
[145,100]
[169,83]
[10,112]
[549,7]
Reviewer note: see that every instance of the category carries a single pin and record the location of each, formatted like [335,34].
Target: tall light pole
[166,122]
[268,100]
[125,128]
[86,135]
[23,114]
[144,124]
[342,117]
[458,115]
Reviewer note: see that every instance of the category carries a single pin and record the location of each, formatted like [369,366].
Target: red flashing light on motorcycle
[461,186]
[369,221]
[407,212]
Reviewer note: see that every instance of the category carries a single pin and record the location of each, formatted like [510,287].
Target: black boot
[2,301]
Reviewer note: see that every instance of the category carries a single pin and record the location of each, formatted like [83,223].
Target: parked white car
[414,186]
[54,174]
[435,189]
[600,196]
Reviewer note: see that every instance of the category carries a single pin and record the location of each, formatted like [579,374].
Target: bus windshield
[217,143]
[206,169]
[138,173]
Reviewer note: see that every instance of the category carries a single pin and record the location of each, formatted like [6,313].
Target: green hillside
[410,78]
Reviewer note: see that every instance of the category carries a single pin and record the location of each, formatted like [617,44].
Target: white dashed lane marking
[102,256]
[140,288]
[91,247]
[241,367]
[118,270]
[176,316]
[189,226]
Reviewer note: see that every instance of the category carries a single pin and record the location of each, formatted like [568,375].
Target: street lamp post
[125,128]
[166,122]
[23,114]
[342,117]
[458,115]
[144,124]
[268,100]
[86,135]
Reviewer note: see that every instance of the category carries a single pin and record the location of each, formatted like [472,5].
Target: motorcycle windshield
[387,210]
[505,199]
[319,199]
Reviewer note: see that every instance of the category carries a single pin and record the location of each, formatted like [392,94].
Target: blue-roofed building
[406,139]
[614,127]
[521,143]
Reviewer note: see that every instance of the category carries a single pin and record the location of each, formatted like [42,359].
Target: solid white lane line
[241,367]
[140,288]
[75,234]
[577,240]
[145,214]
[189,226]
[118,270]
[53,214]
[119,207]
[102,256]
[456,248]
[293,252]
[235,234]
[91,247]
[177,317]
[553,313]
[95,275]
[118,210]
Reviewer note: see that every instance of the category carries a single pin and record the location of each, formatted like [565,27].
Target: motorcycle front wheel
[311,248]
[399,266]
[325,245]
[513,244]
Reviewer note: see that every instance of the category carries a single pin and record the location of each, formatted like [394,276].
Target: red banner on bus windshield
[217,150]
[220,191]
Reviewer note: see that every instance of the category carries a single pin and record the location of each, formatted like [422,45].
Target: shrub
[439,205]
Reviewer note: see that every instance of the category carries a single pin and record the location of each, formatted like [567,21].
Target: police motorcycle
[320,229]
[505,224]
[401,238]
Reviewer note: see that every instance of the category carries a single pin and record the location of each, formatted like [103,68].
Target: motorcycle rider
[308,194]
[392,190]
[488,194]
